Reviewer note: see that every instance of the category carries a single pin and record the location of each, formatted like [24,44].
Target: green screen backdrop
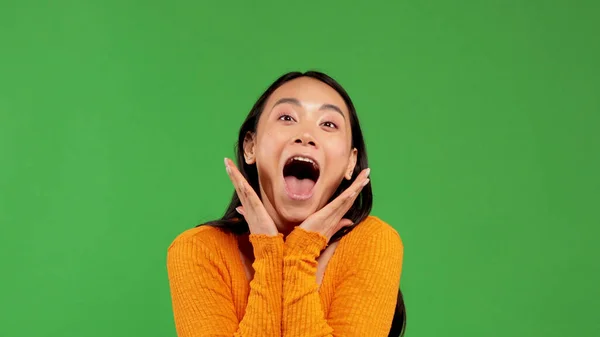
[481,121]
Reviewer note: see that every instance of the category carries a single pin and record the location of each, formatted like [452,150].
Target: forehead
[308,91]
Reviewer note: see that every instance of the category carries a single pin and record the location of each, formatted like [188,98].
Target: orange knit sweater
[212,297]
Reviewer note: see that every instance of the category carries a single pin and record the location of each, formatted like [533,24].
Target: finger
[245,192]
[348,197]
[357,185]
[337,208]
[361,181]
[347,202]
[234,174]
[345,223]
[230,167]
[248,194]
[240,209]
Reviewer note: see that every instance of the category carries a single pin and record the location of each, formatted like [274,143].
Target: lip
[312,191]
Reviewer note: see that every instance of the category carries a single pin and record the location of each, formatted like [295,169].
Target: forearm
[365,296]
[302,312]
[264,310]
[202,301]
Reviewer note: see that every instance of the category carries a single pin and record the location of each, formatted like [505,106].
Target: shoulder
[372,244]
[204,237]
[198,256]
[374,228]
[373,238]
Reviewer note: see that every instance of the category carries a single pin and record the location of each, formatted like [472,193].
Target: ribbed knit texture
[212,297]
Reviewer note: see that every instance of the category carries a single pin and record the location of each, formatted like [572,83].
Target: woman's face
[302,149]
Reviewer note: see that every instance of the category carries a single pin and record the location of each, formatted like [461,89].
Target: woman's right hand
[252,209]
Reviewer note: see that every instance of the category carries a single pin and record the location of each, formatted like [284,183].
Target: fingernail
[368,172]
[225,161]
[238,209]
[227,167]
[366,182]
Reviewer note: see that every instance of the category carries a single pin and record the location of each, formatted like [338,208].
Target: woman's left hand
[329,219]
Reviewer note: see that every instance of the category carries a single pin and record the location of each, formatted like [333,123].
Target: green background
[481,120]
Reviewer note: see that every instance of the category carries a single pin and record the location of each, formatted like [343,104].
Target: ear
[249,147]
[351,163]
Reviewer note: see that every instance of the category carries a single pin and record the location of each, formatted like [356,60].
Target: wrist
[303,241]
[264,231]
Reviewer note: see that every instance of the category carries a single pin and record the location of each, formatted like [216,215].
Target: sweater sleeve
[202,300]
[365,295]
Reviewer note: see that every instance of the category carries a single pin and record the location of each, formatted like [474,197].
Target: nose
[306,139]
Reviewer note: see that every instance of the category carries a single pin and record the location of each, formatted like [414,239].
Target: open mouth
[300,174]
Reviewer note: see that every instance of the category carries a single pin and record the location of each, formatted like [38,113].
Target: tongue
[299,186]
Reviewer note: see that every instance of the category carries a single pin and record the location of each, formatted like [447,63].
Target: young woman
[297,252]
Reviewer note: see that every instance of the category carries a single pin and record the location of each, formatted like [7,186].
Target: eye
[286,118]
[330,125]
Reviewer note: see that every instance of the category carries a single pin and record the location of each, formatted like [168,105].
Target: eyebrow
[296,102]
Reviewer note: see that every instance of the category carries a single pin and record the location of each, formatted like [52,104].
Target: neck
[285,228]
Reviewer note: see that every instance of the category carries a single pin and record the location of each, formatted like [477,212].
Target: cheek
[337,152]
[268,151]
[268,143]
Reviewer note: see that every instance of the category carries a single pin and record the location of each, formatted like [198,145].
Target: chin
[293,211]
[296,214]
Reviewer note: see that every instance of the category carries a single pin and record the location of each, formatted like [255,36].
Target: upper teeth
[304,159]
[308,160]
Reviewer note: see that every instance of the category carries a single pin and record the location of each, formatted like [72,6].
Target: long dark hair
[361,208]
